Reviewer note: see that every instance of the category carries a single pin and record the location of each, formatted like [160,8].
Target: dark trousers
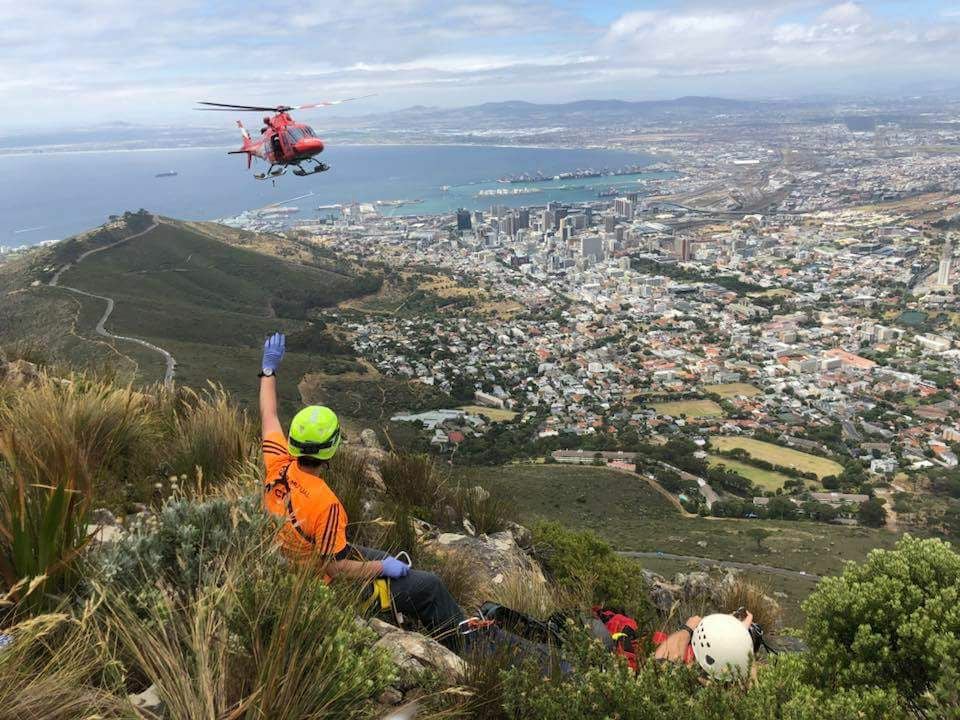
[424,596]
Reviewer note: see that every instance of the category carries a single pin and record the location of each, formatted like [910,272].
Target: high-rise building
[523,218]
[508,225]
[477,218]
[498,211]
[681,248]
[609,223]
[591,246]
[623,208]
[547,220]
[463,219]
[946,265]
[559,214]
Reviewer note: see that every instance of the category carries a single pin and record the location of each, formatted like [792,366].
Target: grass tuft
[110,430]
[741,592]
[211,437]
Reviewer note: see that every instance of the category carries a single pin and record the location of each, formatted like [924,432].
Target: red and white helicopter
[283,141]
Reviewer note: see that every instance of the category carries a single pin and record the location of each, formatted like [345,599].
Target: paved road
[100,329]
[723,563]
[709,494]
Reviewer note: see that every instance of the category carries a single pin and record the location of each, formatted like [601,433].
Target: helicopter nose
[309,146]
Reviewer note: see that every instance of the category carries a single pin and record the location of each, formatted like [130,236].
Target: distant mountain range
[511,120]
[578,113]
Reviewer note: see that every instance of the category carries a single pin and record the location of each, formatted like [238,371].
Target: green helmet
[314,432]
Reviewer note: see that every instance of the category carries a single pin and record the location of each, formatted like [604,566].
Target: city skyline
[89,62]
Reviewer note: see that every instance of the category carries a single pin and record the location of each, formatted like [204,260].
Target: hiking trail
[100,328]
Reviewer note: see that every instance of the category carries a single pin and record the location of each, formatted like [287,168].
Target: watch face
[267,373]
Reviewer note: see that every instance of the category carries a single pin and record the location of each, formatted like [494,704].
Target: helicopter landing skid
[320,167]
[270,173]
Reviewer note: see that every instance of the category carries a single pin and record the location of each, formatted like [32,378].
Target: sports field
[779,455]
[766,479]
[492,414]
[688,408]
[729,390]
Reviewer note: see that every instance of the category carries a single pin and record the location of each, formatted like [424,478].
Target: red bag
[623,630]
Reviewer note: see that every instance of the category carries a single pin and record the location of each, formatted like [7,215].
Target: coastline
[39,151]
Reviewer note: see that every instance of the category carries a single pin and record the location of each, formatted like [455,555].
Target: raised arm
[273,349]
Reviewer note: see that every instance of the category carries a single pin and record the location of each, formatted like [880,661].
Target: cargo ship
[168,173]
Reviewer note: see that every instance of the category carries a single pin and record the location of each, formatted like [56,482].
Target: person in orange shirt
[316,521]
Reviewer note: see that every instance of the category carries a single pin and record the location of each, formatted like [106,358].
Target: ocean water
[52,196]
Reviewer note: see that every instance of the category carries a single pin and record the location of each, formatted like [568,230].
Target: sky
[84,62]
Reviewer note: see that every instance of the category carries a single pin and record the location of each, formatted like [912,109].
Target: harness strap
[291,515]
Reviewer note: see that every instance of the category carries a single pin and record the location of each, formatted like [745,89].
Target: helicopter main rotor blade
[328,103]
[228,106]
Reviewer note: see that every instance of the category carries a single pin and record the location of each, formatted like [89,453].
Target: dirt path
[100,328]
[723,563]
[893,524]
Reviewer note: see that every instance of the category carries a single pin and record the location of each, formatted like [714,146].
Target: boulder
[696,585]
[104,534]
[368,439]
[19,373]
[663,597]
[498,554]
[390,696]
[102,516]
[148,701]
[372,453]
[415,653]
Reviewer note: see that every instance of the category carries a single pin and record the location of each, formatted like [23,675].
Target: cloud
[88,60]
[763,39]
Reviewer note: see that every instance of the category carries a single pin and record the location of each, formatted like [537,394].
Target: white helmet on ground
[722,646]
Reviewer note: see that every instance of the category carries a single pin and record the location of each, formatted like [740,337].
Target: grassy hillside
[626,512]
[194,293]
[581,497]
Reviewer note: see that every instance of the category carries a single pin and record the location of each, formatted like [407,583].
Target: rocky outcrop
[372,454]
[415,653]
[497,554]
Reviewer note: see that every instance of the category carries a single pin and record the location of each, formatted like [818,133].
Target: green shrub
[892,622]
[181,546]
[311,659]
[257,640]
[574,558]
[604,687]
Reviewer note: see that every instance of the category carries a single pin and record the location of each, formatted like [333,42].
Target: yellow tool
[383,598]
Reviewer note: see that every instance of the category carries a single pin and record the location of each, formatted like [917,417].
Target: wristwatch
[267,372]
[684,626]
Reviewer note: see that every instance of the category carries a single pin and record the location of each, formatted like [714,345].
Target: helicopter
[283,142]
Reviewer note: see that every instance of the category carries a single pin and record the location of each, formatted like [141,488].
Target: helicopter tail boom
[249,147]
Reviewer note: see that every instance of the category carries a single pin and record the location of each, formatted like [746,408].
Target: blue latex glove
[273,349]
[393,568]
